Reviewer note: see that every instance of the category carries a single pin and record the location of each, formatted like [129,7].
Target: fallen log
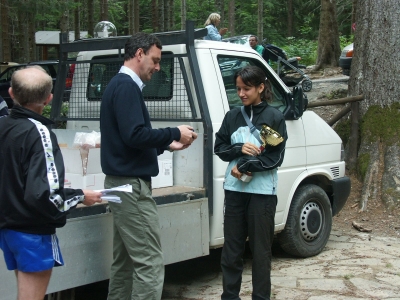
[336,101]
[339,115]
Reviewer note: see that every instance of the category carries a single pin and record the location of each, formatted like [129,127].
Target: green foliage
[306,49]
[64,112]
[342,128]
[381,123]
[345,40]
[362,165]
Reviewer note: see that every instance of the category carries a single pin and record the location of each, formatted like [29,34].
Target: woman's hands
[250,149]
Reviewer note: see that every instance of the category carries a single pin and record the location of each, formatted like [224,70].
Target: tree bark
[328,38]
[290,14]
[219,7]
[375,73]
[231,17]
[171,23]
[260,20]
[183,14]
[154,14]
[134,16]
[90,8]
[161,16]
[77,19]
[5,31]
[103,10]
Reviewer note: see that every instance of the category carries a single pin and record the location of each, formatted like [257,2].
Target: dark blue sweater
[129,146]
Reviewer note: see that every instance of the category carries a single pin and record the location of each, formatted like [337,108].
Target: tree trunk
[183,14]
[130,17]
[171,23]
[90,8]
[260,18]
[290,15]
[166,15]
[375,73]
[5,31]
[103,10]
[77,19]
[219,7]
[136,14]
[161,16]
[328,39]
[353,15]
[231,17]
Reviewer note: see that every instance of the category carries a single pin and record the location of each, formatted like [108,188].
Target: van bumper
[341,191]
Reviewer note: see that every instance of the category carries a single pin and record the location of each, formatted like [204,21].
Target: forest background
[290,24]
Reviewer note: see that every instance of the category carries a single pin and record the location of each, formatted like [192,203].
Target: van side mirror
[299,102]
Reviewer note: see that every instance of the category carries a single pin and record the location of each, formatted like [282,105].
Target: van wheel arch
[309,222]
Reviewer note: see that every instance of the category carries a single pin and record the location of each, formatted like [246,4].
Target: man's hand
[250,149]
[91,197]
[177,146]
[187,134]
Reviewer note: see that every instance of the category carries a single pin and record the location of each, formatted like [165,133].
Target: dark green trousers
[137,271]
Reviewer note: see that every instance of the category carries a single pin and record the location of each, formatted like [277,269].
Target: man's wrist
[169,149]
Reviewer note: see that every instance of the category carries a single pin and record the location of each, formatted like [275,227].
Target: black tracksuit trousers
[247,215]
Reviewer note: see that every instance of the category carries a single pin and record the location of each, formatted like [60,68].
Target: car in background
[51,67]
[240,39]
[345,59]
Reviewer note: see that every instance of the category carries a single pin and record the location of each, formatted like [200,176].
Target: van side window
[102,71]
[229,65]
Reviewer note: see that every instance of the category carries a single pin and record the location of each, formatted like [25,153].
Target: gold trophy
[269,137]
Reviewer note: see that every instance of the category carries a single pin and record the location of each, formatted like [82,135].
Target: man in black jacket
[33,200]
[3,107]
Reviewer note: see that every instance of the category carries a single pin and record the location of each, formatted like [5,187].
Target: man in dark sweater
[33,200]
[129,150]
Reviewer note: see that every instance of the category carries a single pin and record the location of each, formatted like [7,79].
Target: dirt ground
[376,218]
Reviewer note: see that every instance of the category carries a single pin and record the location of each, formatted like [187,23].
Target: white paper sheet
[113,198]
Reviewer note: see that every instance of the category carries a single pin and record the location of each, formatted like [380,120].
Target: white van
[195,86]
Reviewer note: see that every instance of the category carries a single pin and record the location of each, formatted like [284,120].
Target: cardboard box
[93,178]
[165,175]
[75,177]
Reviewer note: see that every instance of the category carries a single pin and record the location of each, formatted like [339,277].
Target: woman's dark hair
[254,76]
[140,40]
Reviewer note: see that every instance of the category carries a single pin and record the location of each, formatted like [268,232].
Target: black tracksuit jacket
[32,194]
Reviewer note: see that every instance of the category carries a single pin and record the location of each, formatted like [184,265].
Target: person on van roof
[129,150]
[34,201]
[211,24]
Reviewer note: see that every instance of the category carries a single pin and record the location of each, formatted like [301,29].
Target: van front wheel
[309,222]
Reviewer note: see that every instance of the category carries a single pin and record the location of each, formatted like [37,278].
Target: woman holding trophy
[252,139]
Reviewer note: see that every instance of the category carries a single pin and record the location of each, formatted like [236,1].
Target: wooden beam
[336,101]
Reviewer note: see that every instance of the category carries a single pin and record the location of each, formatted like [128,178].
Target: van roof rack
[118,42]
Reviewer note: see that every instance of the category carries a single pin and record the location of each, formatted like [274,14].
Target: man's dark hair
[140,40]
[254,37]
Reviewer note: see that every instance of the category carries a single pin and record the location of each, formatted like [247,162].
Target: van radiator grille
[335,171]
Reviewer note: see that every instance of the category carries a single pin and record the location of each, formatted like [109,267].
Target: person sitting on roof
[211,24]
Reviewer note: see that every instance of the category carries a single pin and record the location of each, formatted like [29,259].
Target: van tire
[309,222]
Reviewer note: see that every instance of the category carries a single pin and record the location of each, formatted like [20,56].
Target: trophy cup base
[246,177]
